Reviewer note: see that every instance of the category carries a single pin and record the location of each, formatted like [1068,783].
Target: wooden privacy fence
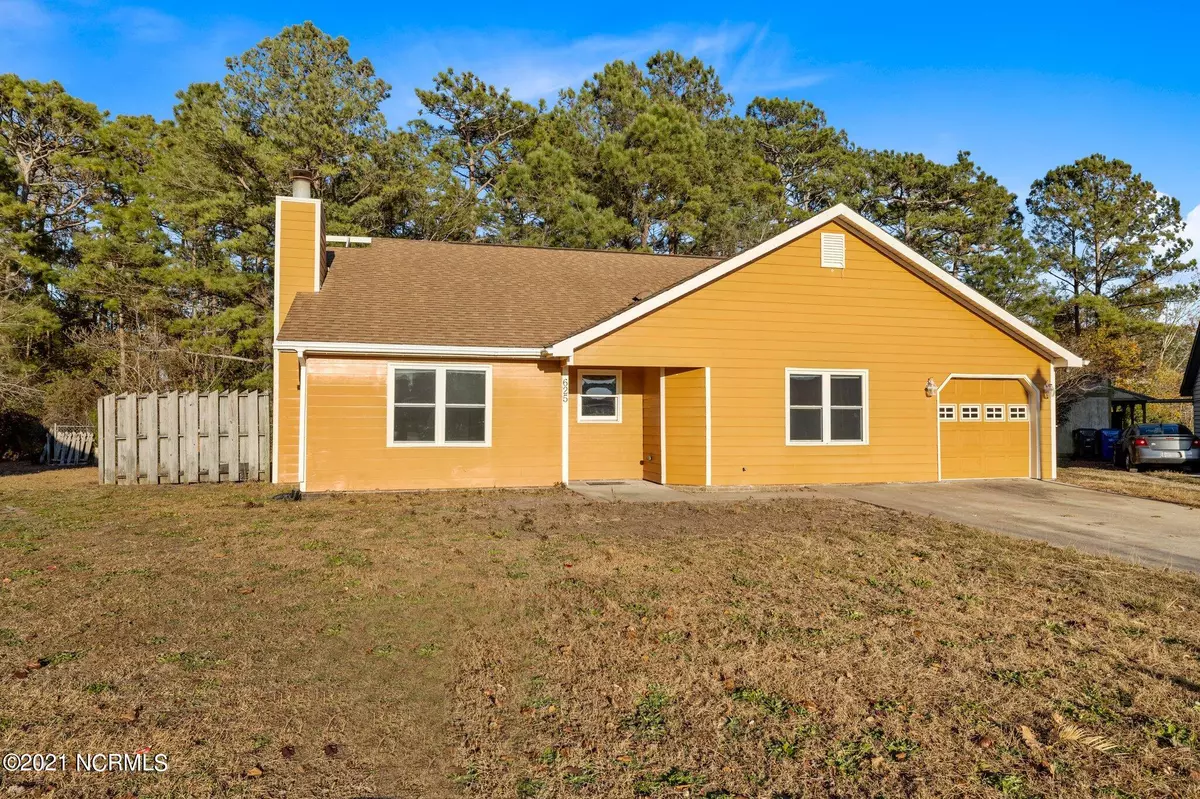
[69,445]
[180,437]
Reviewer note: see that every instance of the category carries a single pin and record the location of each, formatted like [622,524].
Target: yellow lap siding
[651,426]
[348,422]
[296,246]
[685,457]
[785,311]
[287,425]
[608,450]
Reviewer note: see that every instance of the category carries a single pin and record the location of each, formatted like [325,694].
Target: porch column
[566,419]
[708,425]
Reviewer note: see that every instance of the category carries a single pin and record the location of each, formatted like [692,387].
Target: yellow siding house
[829,353]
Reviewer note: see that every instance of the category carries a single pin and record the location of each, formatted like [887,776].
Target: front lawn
[1166,485]
[534,644]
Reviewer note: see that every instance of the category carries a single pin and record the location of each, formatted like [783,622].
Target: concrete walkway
[626,491]
[1141,530]
[643,491]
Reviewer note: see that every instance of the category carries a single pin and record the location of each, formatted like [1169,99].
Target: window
[946,413]
[968,413]
[993,413]
[439,405]
[833,250]
[1163,430]
[826,407]
[1018,413]
[599,397]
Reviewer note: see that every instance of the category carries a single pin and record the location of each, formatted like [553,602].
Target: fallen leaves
[1073,733]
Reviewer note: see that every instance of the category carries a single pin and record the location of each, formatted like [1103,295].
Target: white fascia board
[346,348]
[1058,354]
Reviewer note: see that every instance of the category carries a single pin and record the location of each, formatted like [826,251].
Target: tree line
[136,254]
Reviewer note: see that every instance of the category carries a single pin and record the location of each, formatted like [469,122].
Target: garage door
[985,429]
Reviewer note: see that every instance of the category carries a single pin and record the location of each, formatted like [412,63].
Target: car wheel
[1130,465]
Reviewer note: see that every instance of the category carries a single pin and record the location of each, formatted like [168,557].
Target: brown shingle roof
[399,291]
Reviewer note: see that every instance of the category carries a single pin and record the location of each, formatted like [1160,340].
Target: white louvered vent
[833,250]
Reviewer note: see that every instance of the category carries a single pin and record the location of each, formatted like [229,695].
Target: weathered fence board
[184,437]
[68,445]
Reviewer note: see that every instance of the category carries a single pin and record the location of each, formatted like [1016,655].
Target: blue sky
[1023,88]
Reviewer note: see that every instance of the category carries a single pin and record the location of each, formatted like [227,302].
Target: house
[828,353]
[1191,381]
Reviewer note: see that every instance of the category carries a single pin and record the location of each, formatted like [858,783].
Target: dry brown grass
[536,644]
[1165,485]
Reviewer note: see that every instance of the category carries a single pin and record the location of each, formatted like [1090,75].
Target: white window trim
[579,417]
[988,406]
[439,412]
[953,417]
[826,428]
[964,418]
[1024,417]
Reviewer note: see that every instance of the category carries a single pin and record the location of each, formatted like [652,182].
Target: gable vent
[833,250]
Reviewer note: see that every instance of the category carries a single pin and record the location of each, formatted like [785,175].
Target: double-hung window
[599,397]
[826,406]
[436,405]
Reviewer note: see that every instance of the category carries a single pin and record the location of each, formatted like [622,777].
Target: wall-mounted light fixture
[930,387]
[1046,391]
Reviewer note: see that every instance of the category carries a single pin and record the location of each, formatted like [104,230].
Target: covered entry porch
[637,423]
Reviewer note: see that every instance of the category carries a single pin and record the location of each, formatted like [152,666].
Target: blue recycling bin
[1108,442]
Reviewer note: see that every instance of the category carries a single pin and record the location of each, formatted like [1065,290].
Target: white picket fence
[187,437]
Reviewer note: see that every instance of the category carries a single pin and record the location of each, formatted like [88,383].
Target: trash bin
[1108,442]
[1085,443]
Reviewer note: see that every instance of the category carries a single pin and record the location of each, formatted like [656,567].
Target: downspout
[302,438]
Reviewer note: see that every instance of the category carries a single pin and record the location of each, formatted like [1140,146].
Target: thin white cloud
[146,25]
[749,58]
[1191,230]
[18,16]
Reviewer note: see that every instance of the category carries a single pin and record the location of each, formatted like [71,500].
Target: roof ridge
[528,247]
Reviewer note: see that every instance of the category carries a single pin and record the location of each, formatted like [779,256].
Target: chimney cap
[302,183]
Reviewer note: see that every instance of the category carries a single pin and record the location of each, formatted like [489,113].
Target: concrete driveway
[1141,530]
